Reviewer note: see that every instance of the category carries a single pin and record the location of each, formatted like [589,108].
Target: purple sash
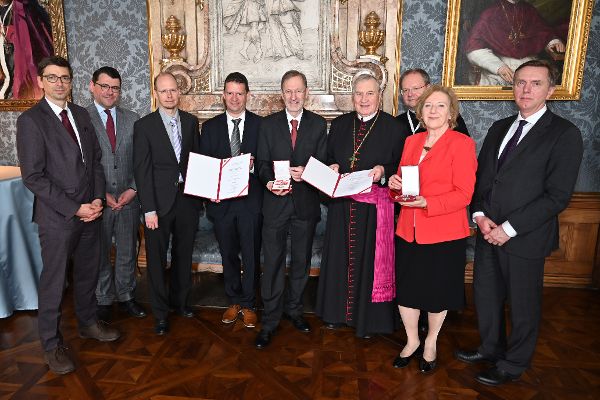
[384,280]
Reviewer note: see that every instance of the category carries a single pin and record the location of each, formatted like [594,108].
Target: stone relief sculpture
[328,40]
[262,37]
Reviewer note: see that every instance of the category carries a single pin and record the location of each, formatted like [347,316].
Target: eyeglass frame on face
[167,91]
[104,88]
[297,92]
[411,90]
[54,78]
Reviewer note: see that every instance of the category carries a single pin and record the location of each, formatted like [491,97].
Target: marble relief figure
[274,35]
[274,22]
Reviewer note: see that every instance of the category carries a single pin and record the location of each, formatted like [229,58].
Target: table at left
[20,253]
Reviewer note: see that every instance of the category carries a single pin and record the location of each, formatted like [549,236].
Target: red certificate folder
[333,184]
[217,179]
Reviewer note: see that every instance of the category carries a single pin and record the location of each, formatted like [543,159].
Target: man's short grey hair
[365,75]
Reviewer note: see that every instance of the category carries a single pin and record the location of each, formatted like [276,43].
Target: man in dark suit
[60,163]
[237,222]
[527,170]
[293,134]
[121,216]
[162,142]
[413,83]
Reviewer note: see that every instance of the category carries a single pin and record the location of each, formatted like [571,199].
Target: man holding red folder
[237,222]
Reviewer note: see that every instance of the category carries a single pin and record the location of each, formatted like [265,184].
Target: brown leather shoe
[231,314]
[249,317]
[99,331]
[59,361]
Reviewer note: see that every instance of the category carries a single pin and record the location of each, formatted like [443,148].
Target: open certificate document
[333,184]
[217,179]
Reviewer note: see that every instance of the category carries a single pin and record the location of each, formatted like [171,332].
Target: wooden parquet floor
[203,359]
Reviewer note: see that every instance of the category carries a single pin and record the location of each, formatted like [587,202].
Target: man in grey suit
[121,215]
[60,163]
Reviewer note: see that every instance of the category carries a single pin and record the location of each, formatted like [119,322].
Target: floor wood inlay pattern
[201,358]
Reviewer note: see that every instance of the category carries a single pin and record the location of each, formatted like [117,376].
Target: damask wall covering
[423,27]
[114,32]
[110,32]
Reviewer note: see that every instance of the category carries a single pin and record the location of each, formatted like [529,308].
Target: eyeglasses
[168,91]
[54,78]
[411,90]
[104,87]
[297,92]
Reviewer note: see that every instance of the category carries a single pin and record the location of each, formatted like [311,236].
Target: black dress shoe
[299,322]
[427,366]
[263,339]
[104,313]
[401,362]
[185,312]
[333,325]
[161,327]
[132,308]
[472,357]
[496,376]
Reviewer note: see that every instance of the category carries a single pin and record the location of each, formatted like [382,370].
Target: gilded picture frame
[477,48]
[55,12]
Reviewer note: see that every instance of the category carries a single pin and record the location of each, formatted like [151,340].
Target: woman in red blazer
[432,229]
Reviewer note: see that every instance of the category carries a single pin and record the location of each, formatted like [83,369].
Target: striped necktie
[175,137]
[235,142]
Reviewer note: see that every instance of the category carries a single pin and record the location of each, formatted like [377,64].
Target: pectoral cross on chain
[352,160]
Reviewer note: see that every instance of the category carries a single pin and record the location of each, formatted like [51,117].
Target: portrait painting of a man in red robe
[25,39]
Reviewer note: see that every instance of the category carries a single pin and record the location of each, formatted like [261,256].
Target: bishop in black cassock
[345,291]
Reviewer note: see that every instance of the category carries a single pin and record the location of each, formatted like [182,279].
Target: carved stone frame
[204,98]
[59,39]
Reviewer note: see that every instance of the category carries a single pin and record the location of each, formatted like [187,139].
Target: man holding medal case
[294,134]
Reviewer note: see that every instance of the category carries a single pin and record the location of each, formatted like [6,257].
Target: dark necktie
[110,130]
[512,143]
[294,123]
[64,117]
[235,142]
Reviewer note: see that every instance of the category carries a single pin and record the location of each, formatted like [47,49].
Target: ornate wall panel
[576,263]
[328,40]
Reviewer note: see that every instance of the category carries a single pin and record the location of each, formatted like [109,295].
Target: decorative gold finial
[200,4]
[173,41]
[372,38]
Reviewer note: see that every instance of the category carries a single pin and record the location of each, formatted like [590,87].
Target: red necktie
[67,124]
[294,123]
[110,130]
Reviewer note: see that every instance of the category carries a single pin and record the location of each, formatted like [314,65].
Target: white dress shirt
[230,124]
[57,110]
[532,120]
[290,118]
